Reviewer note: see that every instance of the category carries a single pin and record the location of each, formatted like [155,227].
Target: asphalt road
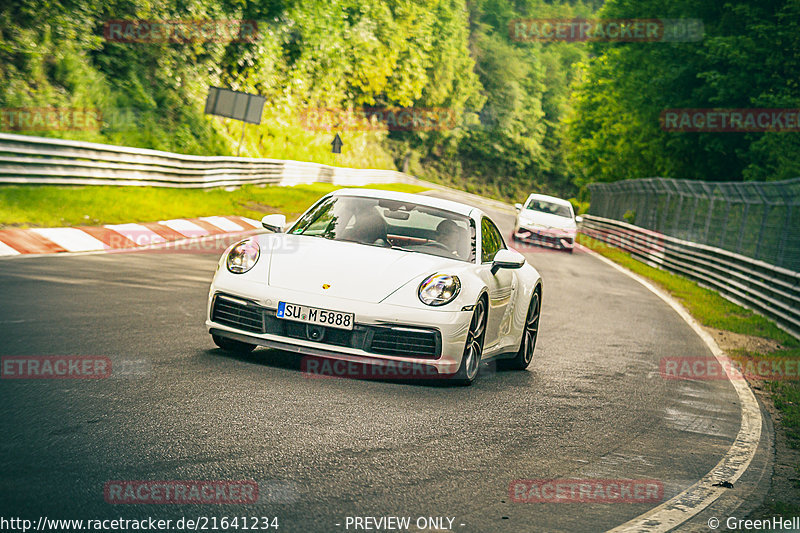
[593,405]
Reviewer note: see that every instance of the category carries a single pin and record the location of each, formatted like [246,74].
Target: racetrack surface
[593,405]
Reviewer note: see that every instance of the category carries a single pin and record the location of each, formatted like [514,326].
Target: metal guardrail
[758,219]
[767,289]
[39,160]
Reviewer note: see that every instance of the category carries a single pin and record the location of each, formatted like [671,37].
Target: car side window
[317,221]
[491,240]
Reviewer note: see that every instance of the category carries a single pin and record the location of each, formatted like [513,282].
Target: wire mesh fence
[756,219]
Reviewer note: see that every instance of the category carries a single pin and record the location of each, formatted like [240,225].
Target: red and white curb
[116,237]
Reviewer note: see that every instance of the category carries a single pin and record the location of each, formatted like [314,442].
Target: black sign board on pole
[235,105]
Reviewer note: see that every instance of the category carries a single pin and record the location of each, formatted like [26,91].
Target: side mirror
[507,259]
[578,219]
[274,222]
[518,207]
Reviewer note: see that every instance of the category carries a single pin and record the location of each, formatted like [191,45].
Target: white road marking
[733,464]
[186,228]
[7,250]
[139,234]
[71,239]
[222,223]
[254,223]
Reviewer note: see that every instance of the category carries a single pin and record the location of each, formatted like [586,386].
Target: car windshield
[543,206]
[390,224]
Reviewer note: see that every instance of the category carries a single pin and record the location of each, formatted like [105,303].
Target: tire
[529,335]
[473,348]
[233,346]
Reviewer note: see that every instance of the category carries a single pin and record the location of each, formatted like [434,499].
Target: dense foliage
[507,99]
[747,58]
[525,115]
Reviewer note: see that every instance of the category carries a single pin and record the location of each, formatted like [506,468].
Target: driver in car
[449,234]
[368,228]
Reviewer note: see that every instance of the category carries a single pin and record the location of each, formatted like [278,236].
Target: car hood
[547,219]
[352,271]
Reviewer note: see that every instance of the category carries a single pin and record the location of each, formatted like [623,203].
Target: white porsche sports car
[381,278]
[547,221]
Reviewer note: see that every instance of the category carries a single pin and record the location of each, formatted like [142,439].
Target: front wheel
[529,335]
[473,350]
[234,346]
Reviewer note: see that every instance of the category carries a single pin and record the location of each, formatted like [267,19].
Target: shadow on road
[281,359]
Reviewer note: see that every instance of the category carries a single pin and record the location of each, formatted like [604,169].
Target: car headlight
[439,289]
[243,256]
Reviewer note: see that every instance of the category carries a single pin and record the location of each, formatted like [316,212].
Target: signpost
[336,144]
[236,105]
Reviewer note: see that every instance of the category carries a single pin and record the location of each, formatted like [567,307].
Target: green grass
[54,206]
[786,395]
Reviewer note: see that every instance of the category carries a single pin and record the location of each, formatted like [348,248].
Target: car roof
[547,198]
[429,201]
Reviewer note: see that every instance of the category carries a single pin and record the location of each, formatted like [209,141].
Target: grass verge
[55,206]
[713,311]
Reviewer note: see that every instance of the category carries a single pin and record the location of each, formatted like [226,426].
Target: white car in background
[380,278]
[547,221]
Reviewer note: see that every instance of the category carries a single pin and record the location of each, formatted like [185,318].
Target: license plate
[312,315]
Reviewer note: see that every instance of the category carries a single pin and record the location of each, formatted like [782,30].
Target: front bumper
[412,369]
[551,238]
[440,335]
